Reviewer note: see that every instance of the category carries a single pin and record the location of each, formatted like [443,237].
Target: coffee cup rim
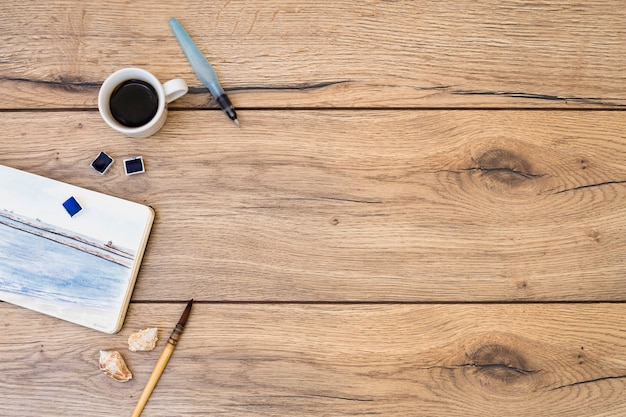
[115,79]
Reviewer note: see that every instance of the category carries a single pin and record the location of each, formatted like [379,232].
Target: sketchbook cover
[79,268]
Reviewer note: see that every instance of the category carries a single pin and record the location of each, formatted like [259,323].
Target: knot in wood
[505,167]
[499,364]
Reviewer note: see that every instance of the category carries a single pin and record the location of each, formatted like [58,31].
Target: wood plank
[486,53]
[367,205]
[311,360]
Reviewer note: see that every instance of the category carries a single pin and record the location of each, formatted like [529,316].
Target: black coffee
[134,103]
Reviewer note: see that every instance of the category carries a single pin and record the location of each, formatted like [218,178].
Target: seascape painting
[79,268]
[64,266]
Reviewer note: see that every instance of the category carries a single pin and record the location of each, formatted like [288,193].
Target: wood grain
[308,360]
[355,206]
[325,53]
[422,215]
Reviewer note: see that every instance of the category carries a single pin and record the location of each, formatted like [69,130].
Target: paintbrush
[162,362]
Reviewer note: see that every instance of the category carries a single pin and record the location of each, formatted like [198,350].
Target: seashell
[143,339]
[112,364]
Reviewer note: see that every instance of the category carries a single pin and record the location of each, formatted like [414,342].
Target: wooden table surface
[424,213]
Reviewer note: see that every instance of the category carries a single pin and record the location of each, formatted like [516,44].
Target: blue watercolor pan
[72,206]
[134,166]
[102,162]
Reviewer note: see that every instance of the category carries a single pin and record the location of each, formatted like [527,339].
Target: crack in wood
[434,88]
[331,397]
[537,96]
[526,175]
[341,200]
[508,171]
[588,381]
[499,366]
[63,82]
[68,82]
[297,87]
[486,366]
[582,187]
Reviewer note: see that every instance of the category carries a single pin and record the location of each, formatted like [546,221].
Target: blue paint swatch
[102,162]
[72,206]
[134,166]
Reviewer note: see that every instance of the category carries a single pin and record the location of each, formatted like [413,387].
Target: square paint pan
[102,162]
[134,166]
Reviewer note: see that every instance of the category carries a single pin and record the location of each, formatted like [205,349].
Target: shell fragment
[143,339]
[112,364]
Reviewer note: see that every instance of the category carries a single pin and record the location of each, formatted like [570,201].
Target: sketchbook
[69,252]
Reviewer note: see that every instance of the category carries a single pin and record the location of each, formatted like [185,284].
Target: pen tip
[236,121]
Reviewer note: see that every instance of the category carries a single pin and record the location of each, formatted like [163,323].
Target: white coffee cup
[138,128]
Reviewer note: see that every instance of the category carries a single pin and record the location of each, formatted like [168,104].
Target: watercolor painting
[78,268]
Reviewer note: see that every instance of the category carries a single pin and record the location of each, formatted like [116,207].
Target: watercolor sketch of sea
[59,272]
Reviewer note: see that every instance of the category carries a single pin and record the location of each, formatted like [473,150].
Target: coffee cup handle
[175,89]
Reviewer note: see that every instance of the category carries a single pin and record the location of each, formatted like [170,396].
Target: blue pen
[203,69]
